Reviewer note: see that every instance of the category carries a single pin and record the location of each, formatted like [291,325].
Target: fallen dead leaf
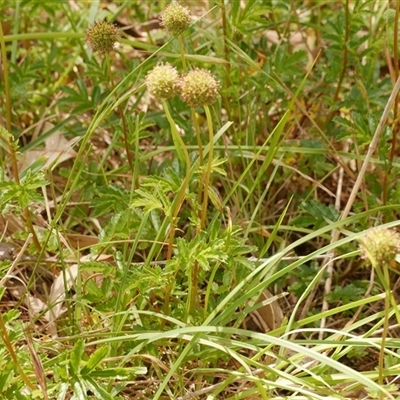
[269,316]
[58,292]
[57,150]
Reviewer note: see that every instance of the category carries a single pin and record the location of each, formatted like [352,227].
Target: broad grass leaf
[119,373]
[95,359]
[76,356]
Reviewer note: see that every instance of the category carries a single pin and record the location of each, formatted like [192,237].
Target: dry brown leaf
[57,149]
[10,224]
[78,241]
[269,316]
[37,365]
[58,291]
[35,306]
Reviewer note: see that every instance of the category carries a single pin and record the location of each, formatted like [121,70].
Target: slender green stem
[28,220]
[17,21]
[195,272]
[182,50]
[386,284]
[43,36]
[226,44]
[209,166]
[181,196]
[192,298]
[383,275]
[209,288]
[200,148]
[122,116]
[179,141]
[194,119]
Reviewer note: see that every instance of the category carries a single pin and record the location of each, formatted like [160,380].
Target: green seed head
[381,245]
[101,36]
[199,88]
[162,81]
[175,18]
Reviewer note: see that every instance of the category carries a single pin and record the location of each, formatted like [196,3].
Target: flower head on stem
[175,18]
[162,81]
[381,245]
[199,88]
[101,36]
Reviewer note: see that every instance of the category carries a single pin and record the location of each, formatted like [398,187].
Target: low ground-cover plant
[188,196]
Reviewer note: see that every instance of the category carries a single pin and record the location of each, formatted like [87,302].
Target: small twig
[329,269]
[396,125]
[371,150]
[197,393]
